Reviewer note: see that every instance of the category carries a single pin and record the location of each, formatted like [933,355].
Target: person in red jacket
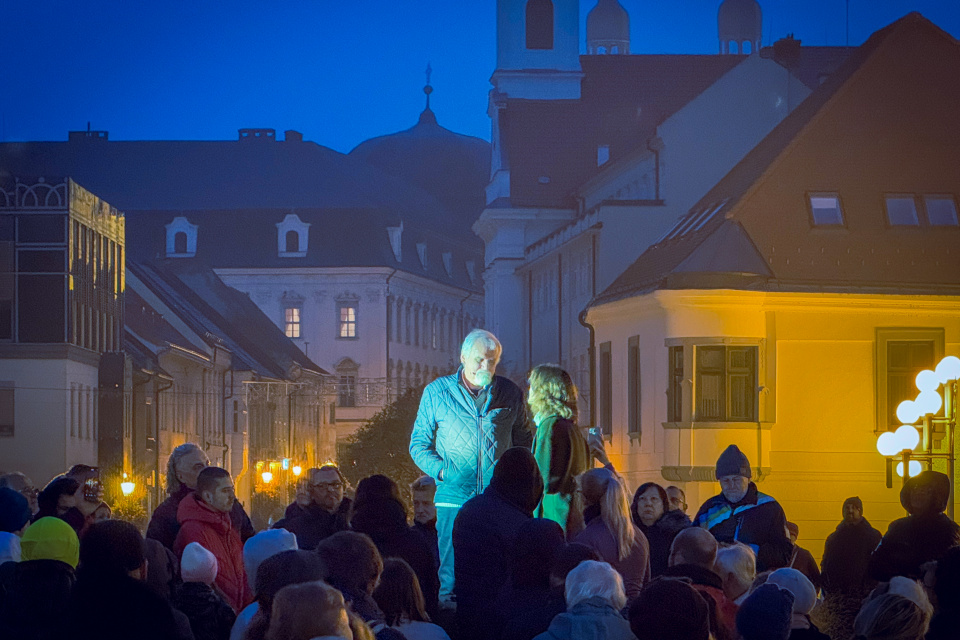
[204,518]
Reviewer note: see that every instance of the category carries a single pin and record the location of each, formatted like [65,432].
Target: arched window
[746,48]
[293,241]
[540,24]
[180,242]
[734,47]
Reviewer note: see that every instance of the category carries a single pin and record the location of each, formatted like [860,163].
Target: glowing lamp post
[929,401]
[296,470]
[267,477]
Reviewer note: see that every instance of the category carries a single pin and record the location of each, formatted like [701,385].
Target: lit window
[825,208]
[902,211]
[726,379]
[941,211]
[291,321]
[348,321]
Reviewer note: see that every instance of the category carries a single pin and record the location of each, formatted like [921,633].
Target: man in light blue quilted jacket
[465,423]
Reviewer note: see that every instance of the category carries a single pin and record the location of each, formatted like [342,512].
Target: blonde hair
[603,487]
[552,392]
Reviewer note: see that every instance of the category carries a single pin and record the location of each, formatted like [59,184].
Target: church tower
[538,49]
[608,29]
[740,26]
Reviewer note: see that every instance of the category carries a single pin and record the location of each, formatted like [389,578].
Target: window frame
[340,322]
[885,335]
[605,378]
[886,197]
[686,384]
[297,323]
[725,373]
[634,388]
[949,197]
[810,195]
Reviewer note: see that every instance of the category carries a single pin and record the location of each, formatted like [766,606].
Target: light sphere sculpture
[908,437]
[915,469]
[908,412]
[948,369]
[928,402]
[888,444]
[927,380]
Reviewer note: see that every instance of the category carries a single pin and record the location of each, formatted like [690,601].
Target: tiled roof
[712,240]
[225,317]
[247,238]
[551,145]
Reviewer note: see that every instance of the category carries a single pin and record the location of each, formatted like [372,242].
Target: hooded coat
[210,617]
[312,524]
[561,454]
[37,602]
[385,521]
[484,536]
[164,525]
[921,536]
[660,537]
[592,619]
[214,531]
[757,521]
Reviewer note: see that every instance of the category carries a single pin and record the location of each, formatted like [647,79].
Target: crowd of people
[517,532]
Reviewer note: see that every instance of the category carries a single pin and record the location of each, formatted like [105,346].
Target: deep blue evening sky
[339,71]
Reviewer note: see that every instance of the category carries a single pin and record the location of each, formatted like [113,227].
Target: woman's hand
[597,447]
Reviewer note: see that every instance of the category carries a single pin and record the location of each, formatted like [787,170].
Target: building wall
[816,434]
[55,417]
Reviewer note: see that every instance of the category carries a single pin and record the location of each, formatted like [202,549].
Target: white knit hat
[198,565]
[804,593]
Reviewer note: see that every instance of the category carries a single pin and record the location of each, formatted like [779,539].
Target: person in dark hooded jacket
[946,613]
[651,513]
[378,511]
[484,537]
[924,535]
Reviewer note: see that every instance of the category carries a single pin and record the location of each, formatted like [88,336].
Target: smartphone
[92,489]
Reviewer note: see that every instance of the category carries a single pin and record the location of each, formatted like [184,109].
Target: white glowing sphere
[928,380]
[928,402]
[267,477]
[888,444]
[297,470]
[908,437]
[915,469]
[908,412]
[948,369]
[127,487]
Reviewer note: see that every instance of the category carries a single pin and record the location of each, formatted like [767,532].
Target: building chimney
[786,51]
[292,136]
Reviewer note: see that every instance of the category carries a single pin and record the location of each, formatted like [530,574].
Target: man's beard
[483,378]
[735,497]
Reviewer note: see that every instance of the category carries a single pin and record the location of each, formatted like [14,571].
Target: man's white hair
[482,338]
[739,560]
[592,579]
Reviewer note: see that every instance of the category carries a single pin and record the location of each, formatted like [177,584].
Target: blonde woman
[558,446]
[610,531]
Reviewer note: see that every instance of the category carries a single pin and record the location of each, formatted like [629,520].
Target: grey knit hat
[732,462]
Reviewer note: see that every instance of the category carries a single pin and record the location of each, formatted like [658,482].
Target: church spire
[428,117]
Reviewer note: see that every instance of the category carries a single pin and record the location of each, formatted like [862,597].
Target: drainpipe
[591,355]
[655,144]
[387,323]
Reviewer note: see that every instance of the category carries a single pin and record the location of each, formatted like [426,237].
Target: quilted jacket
[458,445]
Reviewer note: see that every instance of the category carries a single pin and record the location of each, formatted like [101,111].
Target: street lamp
[297,470]
[127,486]
[928,403]
[267,477]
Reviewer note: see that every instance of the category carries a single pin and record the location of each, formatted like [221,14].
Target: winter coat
[364,606]
[37,602]
[921,536]
[757,521]
[804,562]
[164,525]
[710,585]
[561,454]
[534,621]
[635,568]
[214,532]
[457,444]
[120,608]
[210,617]
[810,633]
[660,536]
[846,557]
[592,619]
[429,531]
[484,536]
[385,521]
[313,523]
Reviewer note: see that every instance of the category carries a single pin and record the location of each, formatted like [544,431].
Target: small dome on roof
[452,167]
[740,21]
[608,28]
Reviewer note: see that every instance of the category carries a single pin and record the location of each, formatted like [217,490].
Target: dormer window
[603,154]
[448,263]
[396,237]
[422,254]
[826,210]
[181,238]
[292,237]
